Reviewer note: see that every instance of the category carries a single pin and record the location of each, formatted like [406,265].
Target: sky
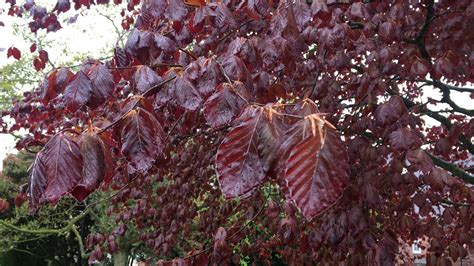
[92,34]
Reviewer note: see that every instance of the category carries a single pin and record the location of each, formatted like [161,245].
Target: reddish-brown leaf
[78,92]
[145,78]
[33,47]
[13,51]
[165,43]
[224,16]
[386,250]
[62,6]
[38,181]
[63,164]
[419,69]
[43,55]
[236,69]
[102,83]
[94,166]
[176,11]
[313,164]
[420,160]
[38,64]
[142,140]
[55,84]
[404,138]
[389,112]
[225,104]
[246,153]
[208,77]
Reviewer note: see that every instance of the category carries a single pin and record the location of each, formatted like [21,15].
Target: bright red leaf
[247,151]
[313,165]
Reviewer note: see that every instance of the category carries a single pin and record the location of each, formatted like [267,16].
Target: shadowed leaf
[224,104]
[78,92]
[142,140]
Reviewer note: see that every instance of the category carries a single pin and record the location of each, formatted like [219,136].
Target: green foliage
[33,248]
[16,77]
[15,166]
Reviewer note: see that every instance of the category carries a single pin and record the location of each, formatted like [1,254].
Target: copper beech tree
[290,131]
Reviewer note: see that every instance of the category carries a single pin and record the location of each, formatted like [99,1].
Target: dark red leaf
[55,84]
[176,11]
[288,230]
[155,7]
[62,6]
[206,74]
[131,45]
[102,83]
[221,249]
[246,153]
[444,67]
[257,8]
[142,140]
[236,69]
[419,159]
[62,161]
[38,64]
[290,30]
[389,112]
[165,43]
[185,94]
[358,11]
[225,104]
[387,31]
[43,55]
[38,181]
[94,166]
[386,250]
[404,138]
[224,16]
[78,92]
[313,164]
[438,179]
[145,78]
[121,57]
[13,51]
[419,69]
[33,47]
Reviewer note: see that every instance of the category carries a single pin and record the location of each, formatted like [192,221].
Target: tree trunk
[121,258]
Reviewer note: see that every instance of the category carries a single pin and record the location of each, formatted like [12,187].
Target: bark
[121,258]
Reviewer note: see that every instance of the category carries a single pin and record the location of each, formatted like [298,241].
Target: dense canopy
[265,131]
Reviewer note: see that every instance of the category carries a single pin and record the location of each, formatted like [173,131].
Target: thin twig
[148,92]
[231,83]
[113,194]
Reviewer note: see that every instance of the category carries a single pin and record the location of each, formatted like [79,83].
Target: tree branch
[447,99]
[46,231]
[79,240]
[465,142]
[453,169]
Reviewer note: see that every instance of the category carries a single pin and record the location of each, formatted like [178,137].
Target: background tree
[213,114]
[30,243]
